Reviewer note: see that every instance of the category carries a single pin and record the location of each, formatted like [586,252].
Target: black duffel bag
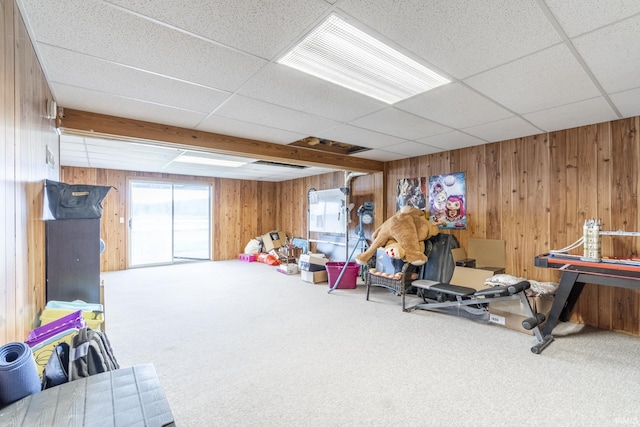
[75,201]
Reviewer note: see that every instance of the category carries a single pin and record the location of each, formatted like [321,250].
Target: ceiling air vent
[329,146]
[280,165]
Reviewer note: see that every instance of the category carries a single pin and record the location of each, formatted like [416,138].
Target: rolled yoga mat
[18,373]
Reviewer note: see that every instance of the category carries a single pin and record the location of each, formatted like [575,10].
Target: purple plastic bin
[44,332]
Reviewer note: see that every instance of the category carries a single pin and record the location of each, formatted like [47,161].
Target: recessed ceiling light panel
[209,161]
[342,54]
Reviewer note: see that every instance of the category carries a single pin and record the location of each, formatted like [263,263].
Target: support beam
[82,123]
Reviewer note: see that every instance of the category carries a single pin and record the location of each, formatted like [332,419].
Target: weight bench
[437,295]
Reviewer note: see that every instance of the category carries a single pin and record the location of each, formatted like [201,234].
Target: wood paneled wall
[27,134]
[536,192]
[241,210]
[533,192]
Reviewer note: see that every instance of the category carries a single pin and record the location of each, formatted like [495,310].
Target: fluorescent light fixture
[209,161]
[342,54]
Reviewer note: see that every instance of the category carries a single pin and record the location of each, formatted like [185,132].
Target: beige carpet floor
[239,344]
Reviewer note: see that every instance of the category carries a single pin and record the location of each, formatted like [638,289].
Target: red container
[349,277]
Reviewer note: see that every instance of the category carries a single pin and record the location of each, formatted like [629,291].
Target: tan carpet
[239,344]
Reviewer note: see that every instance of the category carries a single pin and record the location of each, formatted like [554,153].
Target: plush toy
[394,250]
[408,227]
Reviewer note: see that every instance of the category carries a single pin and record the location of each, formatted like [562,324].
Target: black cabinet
[73,260]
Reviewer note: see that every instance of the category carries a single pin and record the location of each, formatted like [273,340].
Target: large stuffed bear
[405,231]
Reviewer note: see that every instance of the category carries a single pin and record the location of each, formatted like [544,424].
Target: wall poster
[448,200]
[412,192]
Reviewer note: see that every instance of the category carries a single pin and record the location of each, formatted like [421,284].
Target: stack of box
[470,277]
[313,267]
[461,259]
[272,240]
[489,254]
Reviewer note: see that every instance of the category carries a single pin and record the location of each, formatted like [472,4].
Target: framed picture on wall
[412,192]
[448,200]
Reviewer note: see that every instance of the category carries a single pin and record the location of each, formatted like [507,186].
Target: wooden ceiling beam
[82,123]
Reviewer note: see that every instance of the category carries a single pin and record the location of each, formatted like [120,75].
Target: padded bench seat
[455,290]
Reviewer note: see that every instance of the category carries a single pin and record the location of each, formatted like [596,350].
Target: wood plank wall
[26,133]
[241,210]
[533,192]
[536,192]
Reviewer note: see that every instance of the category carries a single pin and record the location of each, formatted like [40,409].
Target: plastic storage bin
[44,339]
[247,257]
[93,314]
[349,278]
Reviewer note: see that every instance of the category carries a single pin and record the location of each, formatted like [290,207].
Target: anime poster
[412,192]
[448,200]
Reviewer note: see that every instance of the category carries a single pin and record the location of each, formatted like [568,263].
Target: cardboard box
[386,264]
[461,259]
[315,276]
[470,277]
[312,262]
[510,314]
[272,240]
[489,254]
[288,268]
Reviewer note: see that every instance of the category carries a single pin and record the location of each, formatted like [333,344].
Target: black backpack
[90,353]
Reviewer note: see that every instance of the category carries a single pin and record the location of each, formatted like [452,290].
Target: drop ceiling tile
[400,123]
[240,129]
[75,69]
[627,102]
[67,159]
[613,54]
[454,105]
[290,88]
[131,148]
[102,103]
[248,109]
[459,36]
[110,33]
[216,156]
[581,113]
[196,170]
[358,136]
[115,157]
[262,28]
[123,165]
[74,147]
[413,149]
[513,127]
[379,155]
[579,16]
[76,163]
[126,151]
[452,141]
[73,139]
[540,81]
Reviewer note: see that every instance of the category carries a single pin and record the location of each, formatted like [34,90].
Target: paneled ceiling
[517,68]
